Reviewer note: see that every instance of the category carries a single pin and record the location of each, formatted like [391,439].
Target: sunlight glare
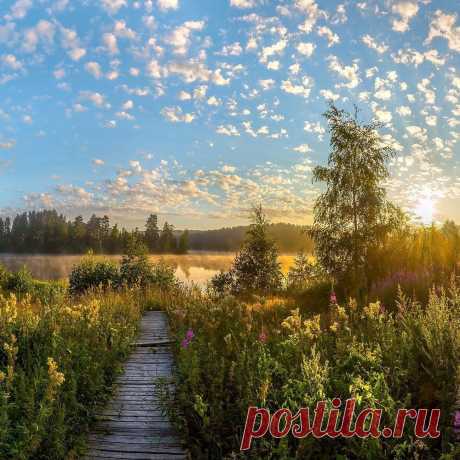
[425,210]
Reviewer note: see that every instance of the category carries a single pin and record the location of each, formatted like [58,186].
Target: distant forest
[289,238]
[48,232]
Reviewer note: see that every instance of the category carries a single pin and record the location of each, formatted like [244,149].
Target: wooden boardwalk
[132,425]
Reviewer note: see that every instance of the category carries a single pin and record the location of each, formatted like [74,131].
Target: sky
[198,109]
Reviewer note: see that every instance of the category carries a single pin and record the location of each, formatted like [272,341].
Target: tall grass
[271,353]
[57,361]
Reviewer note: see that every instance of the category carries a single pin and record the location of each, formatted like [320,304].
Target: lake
[198,267]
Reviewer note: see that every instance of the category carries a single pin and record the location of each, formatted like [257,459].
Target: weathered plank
[133,424]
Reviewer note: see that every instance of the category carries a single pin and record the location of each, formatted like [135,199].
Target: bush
[20,282]
[90,273]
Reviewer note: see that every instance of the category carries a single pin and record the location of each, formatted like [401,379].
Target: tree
[256,267]
[182,247]
[152,233]
[303,272]
[167,241]
[353,214]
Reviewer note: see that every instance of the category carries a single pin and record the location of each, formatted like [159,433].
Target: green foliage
[273,355]
[92,273]
[256,268]
[48,232]
[352,215]
[56,363]
[20,282]
[304,273]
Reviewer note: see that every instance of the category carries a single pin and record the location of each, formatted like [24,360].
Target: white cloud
[218,79]
[424,87]
[94,69]
[406,10]
[112,6]
[329,95]
[98,162]
[71,42]
[233,49]
[243,3]
[43,33]
[332,38]
[176,115]
[214,101]
[404,110]
[19,9]
[371,43]
[302,89]
[444,25]
[165,5]
[10,60]
[128,105]
[350,73]
[273,65]
[184,96]
[227,130]
[267,84]
[417,132]
[312,12]
[180,37]
[306,49]
[384,116]
[276,48]
[122,30]
[110,43]
[302,148]
[96,98]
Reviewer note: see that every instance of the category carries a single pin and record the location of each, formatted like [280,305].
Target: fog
[198,267]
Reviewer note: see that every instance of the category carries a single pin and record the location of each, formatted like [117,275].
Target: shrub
[91,273]
[20,282]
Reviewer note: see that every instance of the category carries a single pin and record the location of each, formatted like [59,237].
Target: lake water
[197,267]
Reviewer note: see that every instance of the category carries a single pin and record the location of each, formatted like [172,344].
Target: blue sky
[197,109]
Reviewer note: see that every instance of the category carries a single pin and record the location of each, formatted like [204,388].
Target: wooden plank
[134,425]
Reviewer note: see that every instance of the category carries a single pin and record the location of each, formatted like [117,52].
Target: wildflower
[457,423]
[189,336]
[333,298]
[334,326]
[263,337]
[55,376]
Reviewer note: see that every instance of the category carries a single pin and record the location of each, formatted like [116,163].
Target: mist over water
[197,267]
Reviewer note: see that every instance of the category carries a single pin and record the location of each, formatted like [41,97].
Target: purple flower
[263,337]
[457,419]
[189,335]
[333,298]
[185,343]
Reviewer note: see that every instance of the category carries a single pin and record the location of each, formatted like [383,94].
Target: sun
[425,210]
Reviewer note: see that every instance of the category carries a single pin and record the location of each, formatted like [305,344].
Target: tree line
[49,232]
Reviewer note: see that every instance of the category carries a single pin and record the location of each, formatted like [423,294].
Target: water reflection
[198,267]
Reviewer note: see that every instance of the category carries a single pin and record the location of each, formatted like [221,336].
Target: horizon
[195,110]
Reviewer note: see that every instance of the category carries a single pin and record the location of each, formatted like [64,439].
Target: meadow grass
[276,352]
[57,362]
